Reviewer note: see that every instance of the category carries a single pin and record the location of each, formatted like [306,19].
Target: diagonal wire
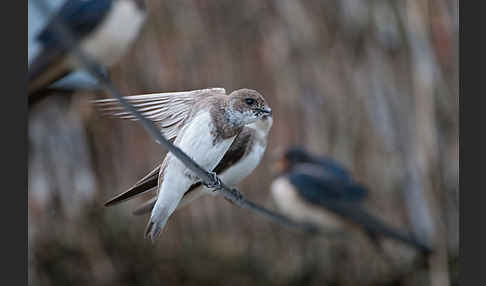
[67,39]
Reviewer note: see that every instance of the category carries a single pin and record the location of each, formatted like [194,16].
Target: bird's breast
[197,140]
[243,168]
[290,203]
[232,175]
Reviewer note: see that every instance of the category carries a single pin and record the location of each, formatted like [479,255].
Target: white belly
[244,167]
[291,204]
[197,141]
[240,170]
[112,39]
[231,176]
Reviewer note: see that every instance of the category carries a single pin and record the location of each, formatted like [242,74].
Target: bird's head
[291,157]
[247,106]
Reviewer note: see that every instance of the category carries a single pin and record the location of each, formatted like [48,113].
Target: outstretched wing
[167,109]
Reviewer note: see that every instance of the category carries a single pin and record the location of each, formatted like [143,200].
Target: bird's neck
[225,123]
[261,127]
[231,117]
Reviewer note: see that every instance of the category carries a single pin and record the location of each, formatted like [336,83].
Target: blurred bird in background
[375,82]
[104,29]
[320,191]
[225,134]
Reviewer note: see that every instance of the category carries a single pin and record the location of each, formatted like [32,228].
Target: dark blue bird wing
[333,168]
[81,16]
[343,198]
[321,190]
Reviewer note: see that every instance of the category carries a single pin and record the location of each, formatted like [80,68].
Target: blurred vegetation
[373,84]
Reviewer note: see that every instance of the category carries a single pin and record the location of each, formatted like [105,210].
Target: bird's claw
[215,183]
[238,196]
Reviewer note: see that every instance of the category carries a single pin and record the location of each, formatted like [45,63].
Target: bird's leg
[236,195]
[215,182]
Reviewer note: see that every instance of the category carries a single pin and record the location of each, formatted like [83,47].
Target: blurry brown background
[373,84]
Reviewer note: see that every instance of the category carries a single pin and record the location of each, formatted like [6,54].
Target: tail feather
[166,203]
[133,192]
[380,228]
[157,222]
[187,198]
[144,185]
[153,229]
[374,226]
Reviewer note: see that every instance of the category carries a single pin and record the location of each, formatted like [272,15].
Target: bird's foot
[237,196]
[215,182]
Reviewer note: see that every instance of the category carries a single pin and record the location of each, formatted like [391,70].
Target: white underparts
[243,168]
[112,39]
[290,203]
[196,140]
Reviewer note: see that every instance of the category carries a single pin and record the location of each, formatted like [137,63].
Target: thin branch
[67,39]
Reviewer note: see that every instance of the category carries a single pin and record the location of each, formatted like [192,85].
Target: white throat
[112,39]
[262,126]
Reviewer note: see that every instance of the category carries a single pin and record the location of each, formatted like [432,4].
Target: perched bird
[104,29]
[225,134]
[318,190]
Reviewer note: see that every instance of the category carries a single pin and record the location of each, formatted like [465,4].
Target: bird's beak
[279,167]
[265,111]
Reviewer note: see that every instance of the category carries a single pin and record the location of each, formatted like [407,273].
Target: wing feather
[146,184]
[80,16]
[317,192]
[168,109]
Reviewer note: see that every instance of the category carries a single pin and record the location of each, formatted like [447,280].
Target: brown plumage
[223,133]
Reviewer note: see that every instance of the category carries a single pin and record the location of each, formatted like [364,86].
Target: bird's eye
[250,101]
